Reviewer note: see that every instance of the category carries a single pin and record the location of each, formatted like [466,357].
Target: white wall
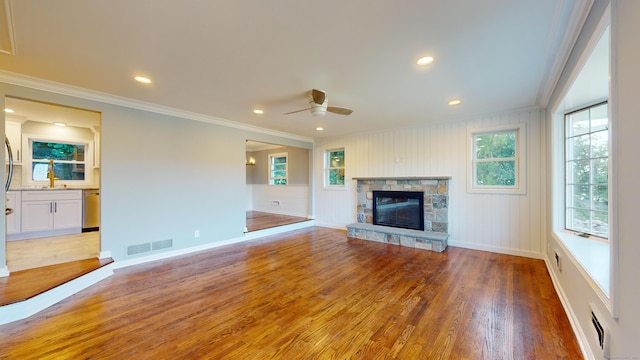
[292,199]
[573,285]
[510,224]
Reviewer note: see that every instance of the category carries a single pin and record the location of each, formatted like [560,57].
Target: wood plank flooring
[257,220]
[34,253]
[308,294]
[25,284]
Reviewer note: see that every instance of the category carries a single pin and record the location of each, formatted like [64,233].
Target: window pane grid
[586,171]
[334,168]
[278,169]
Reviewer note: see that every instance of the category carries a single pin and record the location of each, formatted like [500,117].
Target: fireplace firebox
[401,209]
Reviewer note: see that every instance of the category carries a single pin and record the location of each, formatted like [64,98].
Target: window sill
[591,255]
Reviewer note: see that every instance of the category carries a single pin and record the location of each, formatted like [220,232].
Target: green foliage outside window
[335,161]
[69,160]
[278,169]
[587,169]
[495,163]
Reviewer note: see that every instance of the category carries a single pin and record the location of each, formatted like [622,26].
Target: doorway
[56,156]
[277,180]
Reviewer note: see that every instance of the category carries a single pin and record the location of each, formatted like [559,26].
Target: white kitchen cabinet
[13,130]
[51,212]
[13,220]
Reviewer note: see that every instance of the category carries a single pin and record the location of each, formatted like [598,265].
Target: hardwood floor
[257,220]
[34,253]
[25,284]
[308,294]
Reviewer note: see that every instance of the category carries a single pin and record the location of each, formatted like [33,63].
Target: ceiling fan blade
[339,110]
[297,111]
[318,96]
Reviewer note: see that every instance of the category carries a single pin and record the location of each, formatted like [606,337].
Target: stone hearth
[436,212]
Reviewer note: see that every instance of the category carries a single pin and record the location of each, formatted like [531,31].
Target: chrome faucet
[51,175]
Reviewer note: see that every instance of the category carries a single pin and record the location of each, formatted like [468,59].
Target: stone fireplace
[400,195]
[401,209]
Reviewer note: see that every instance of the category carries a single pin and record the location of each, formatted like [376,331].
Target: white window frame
[520,158]
[271,177]
[27,164]
[591,184]
[328,168]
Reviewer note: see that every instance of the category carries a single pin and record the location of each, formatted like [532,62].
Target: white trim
[496,249]
[286,168]
[104,254]
[23,309]
[27,159]
[4,271]
[327,166]
[247,236]
[7,30]
[573,319]
[561,52]
[77,92]
[520,160]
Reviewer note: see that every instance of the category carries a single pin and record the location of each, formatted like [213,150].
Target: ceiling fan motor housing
[318,109]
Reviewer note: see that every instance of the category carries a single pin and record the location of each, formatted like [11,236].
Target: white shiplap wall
[292,199]
[511,224]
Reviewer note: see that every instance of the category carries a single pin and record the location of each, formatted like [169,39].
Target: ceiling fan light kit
[318,105]
[318,109]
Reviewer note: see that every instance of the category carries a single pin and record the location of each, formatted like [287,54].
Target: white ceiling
[222,59]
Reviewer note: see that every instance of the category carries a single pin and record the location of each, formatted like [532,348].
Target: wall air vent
[601,331]
[139,248]
[150,246]
[162,244]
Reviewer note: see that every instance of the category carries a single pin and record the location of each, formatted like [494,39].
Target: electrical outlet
[558,259]
[196,234]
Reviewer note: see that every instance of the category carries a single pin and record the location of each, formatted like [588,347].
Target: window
[586,171]
[69,163]
[278,169]
[69,160]
[334,167]
[497,155]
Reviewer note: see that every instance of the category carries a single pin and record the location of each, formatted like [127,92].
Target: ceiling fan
[318,105]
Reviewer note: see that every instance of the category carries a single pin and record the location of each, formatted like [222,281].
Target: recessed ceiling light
[59,124]
[10,111]
[258,111]
[455,102]
[425,60]
[319,128]
[142,79]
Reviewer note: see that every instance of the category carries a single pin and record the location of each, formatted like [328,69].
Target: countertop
[54,189]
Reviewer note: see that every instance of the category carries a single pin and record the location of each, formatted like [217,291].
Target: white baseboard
[247,236]
[23,309]
[104,254]
[499,250]
[4,271]
[573,319]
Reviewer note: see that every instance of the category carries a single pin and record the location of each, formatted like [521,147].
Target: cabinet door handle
[55,207]
[18,152]
[50,207]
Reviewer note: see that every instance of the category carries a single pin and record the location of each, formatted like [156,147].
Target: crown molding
[559,47]
[86,94]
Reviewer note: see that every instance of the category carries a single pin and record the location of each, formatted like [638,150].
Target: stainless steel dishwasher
[90,210]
